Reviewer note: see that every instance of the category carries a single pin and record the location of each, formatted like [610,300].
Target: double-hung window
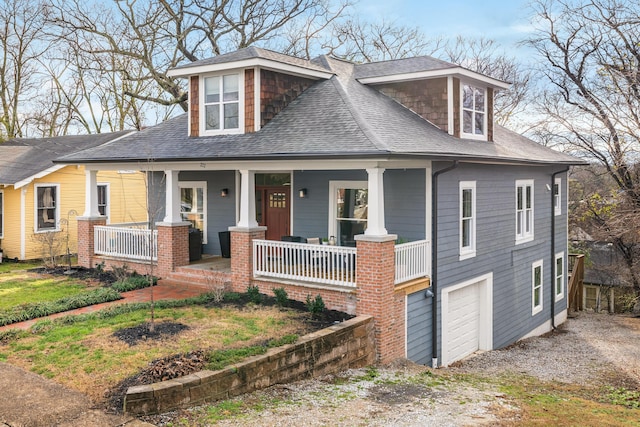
[557,196]
[559,275]
[467,219]
[524,211]
[47,207]
[474,108]
[103,199]
[221,102]
[536,287]
[1,214]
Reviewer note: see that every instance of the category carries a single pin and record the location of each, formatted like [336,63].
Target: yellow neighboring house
[40,200]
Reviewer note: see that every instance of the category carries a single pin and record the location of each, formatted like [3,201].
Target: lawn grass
[7,267]
[87,357]
[18,288]
[546,403]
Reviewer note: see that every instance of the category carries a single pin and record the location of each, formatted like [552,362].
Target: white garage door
[463,317]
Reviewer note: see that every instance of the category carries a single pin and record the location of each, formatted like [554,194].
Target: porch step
[197,277]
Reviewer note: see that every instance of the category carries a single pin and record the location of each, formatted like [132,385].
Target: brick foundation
[376,295]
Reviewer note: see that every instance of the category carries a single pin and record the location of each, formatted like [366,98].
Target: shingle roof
[334,118]
[24,157]
[401,66]
[251,53]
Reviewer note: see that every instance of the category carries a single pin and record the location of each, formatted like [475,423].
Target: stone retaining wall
[342,346]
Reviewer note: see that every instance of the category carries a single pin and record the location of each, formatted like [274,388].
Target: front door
[273,210]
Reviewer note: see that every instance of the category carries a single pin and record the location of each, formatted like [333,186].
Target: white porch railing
[328,265]
[125,242]
[412,260]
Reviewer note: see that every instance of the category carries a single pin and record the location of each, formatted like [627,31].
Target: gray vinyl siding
[311,214]
[419,349]
[496,250]
[405,195]
[405,203]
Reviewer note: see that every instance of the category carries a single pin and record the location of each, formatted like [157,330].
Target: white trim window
[559,276]
[193,205]
[537,279]
[467,219]
[1,214]
[524,211]
[103,200]
[557,196]
[348,214]
[47,207]
[473,101]
[221,103]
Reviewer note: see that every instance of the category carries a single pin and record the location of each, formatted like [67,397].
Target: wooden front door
[273,210]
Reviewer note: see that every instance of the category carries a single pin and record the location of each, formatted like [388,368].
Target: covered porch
[356,233]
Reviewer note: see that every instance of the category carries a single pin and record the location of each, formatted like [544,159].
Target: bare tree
[590,60]
[362,41]
[156,35]
[21,42]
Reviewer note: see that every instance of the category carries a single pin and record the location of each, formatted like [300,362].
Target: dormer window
[221,97]
[474,108]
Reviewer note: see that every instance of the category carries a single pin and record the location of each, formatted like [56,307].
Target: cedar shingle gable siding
[194,107]
[249,101]
[427,98]
[277,91]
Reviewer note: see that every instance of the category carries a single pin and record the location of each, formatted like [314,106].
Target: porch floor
[211,263]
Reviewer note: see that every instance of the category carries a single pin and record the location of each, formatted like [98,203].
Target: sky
[505,21]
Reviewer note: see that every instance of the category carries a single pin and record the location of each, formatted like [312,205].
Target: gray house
[450,230]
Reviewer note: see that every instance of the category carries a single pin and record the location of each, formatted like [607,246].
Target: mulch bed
[81,273]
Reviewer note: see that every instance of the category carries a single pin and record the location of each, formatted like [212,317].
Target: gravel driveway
[588,349]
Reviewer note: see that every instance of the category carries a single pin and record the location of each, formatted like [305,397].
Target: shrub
[282,299]
[132,283]
[41,309]
[253,292]
[315,306]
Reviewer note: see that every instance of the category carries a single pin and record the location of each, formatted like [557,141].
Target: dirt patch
[143,332]
[396,394]
[80,273]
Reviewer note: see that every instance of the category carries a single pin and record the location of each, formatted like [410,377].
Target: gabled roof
[24,158]
[251,57]
[419,67]
[335,118]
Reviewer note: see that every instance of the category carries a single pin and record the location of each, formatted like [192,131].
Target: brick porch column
[173,246]
[376,297]
[86,242]
[242,255]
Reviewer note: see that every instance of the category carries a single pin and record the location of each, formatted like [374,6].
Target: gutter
[553,247]
[434,263]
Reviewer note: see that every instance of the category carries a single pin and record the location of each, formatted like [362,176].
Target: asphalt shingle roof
[334,118]
[255,52]
[22,158]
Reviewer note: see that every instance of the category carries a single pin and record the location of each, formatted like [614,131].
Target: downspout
[434,263]
[553,247]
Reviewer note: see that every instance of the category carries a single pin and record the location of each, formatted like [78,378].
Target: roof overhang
[459,72]
[250,63]
[41,174]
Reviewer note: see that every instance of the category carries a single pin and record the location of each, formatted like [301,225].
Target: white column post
[172,199]
[247,200]
[91,194]
[375,221]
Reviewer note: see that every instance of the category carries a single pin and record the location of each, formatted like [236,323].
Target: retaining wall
[342,346]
